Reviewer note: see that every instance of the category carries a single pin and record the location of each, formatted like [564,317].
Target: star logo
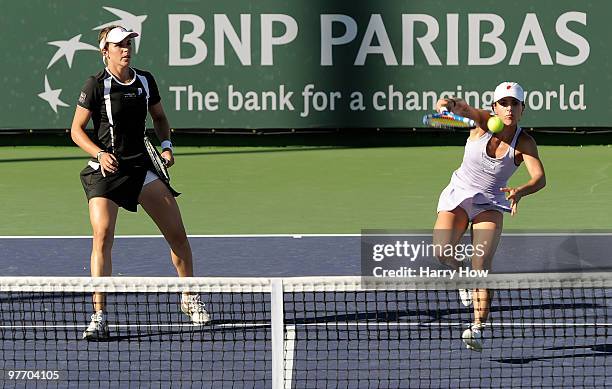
[68,48]
[127,20]
[51,96]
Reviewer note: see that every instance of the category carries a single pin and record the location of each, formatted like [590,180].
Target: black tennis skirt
[124,186]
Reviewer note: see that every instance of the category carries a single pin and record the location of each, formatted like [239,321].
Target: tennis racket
[159,163]
[448,120]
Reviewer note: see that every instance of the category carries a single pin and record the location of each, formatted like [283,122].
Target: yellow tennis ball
[495,124]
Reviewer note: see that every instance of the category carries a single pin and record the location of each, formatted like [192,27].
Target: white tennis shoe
[192,306]
[98,327]
[472,337]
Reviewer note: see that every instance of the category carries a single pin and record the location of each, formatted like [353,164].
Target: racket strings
[447,122]
[158,163]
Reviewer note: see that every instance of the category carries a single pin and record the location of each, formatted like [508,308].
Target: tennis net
[544,330]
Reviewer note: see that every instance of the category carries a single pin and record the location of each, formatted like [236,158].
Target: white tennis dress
[475,186]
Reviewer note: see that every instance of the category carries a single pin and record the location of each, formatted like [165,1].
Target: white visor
[116,35]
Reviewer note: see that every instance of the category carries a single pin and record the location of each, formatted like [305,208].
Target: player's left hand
[168,156]
[513,196]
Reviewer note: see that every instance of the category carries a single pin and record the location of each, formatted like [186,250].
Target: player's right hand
[108,163]
[445,105]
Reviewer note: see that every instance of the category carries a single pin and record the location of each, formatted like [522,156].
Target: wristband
[166,145]
[99,154]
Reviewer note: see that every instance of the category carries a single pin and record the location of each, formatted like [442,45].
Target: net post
[278,332]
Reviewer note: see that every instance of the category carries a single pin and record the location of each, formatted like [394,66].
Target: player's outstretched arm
[461,107]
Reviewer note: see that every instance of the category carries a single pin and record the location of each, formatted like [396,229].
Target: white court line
[289,356]
[292,326]
[297,236]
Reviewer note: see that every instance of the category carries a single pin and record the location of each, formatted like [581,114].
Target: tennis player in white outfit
[478,193]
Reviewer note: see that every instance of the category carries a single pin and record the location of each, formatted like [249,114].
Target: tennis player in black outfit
[120,172]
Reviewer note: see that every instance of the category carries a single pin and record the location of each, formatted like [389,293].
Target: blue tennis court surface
[283,256]
[540,336]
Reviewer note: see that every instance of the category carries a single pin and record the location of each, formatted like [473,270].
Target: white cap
[509,89]
[116,35]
